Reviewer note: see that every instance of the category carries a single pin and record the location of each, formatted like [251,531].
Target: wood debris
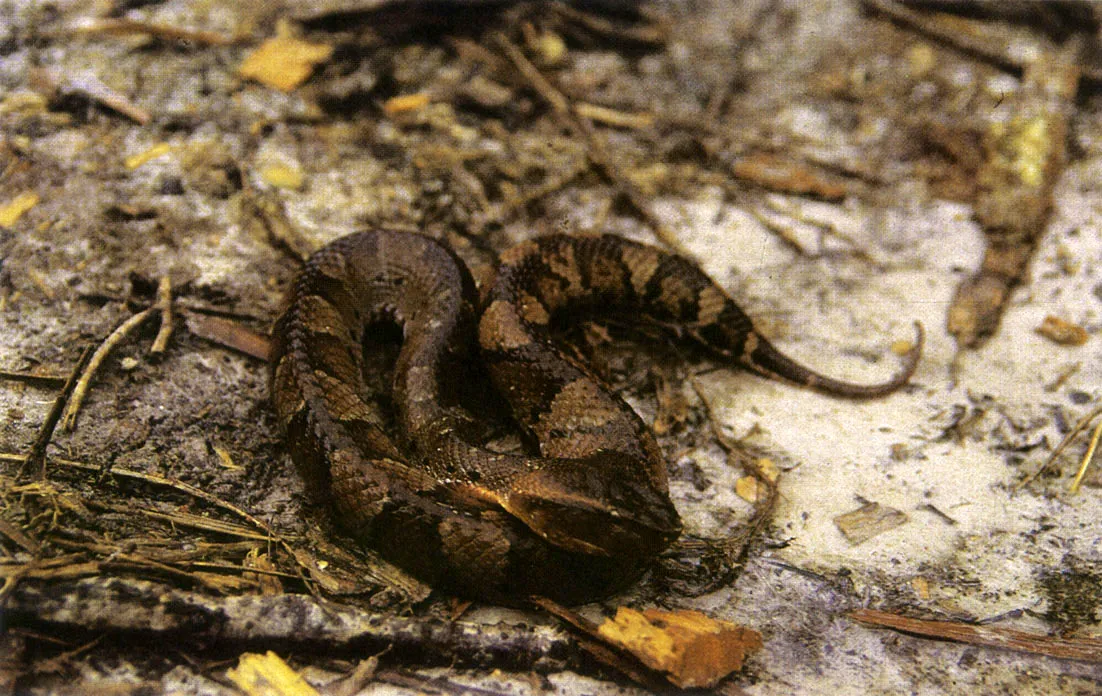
[111,26]
[777,174]
[868,521]
[1088,649]
[150,610]
[1062,331]
[692,650]
[56,86]
[228,333]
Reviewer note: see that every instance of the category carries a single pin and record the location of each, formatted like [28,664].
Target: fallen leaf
[283,176]
[283,62]
[749,489]
[11,211]
[268,675]
[1063,332]
[691,649]
[867,521]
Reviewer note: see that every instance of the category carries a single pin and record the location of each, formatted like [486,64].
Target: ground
[139,156]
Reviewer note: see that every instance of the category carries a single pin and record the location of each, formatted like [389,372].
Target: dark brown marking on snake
[575,521]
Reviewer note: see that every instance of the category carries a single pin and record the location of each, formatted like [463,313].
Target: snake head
[602,505]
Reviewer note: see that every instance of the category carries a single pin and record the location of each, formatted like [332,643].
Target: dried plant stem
[1074,488]
[164,306]
[97,359]
[36,458]
[1082,425]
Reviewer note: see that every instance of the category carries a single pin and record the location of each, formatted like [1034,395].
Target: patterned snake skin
[580,519]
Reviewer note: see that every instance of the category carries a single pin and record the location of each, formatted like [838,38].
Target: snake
[405,469]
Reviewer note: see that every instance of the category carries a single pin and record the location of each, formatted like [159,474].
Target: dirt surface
[818,160]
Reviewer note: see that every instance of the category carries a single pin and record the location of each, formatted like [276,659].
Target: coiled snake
[576,521]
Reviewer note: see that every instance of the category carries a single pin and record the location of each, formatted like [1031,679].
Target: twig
[652,35]
[428,685]
[149,610]
[88,85]
[1080,426]
[1088,649]
[939,27]
[164,306]
[597,152]
[36,458]
[97,359]
[31,378]
[1074,488]
[780,230]
[128,27]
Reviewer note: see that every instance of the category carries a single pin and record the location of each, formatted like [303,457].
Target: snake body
[576,521]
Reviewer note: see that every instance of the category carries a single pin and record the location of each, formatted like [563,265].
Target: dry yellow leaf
[135,161]
[283,62]
[268,675]
[406,102]
[11,211]
[748,488]
[902,346]
[768,469]
[283,176]
[691,649]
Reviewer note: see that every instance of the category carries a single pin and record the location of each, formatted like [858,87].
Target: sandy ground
[946,452]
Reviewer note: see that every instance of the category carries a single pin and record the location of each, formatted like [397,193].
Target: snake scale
[576,521]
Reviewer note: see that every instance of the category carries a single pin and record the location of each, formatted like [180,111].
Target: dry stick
[597,151]
[949,30]
[1088,649]
[97,359]
[31,378]
[129,27]
[164,306]
[36,458]
[1079,427]
[150,610]
[1074,488]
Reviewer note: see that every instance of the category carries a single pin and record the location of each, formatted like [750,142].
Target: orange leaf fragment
[406,102]
[283,62]
[1062,331]
[691,649]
